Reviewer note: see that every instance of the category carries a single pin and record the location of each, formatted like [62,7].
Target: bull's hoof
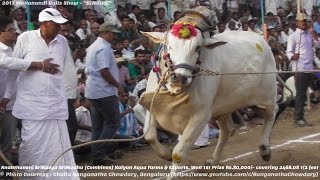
[265,152]
[166,154]
[162,151]
[171,177]
[232,132]
[166,157]
[210,162]
[266,157]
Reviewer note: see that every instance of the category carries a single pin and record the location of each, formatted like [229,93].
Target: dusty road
[294,148]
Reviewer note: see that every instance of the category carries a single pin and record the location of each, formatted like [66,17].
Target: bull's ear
[213,43]
[156,37]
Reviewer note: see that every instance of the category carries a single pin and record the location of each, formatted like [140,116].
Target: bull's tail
[285,86]
[282,105]
[147,122]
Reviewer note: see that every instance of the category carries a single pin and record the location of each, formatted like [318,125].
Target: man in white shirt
[82,31]
[134,12]
[307,5]
[7,122]
[271,6]
[143,4]
[216,5]
[41,102]
[84,121]
[71,85]
[300,52]
[91,17]
[236,20]
[7,40]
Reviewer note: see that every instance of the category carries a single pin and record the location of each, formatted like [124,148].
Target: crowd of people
[91,64]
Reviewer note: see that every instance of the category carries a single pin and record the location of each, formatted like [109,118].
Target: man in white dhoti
[41,103]
[7,40]
[203,139]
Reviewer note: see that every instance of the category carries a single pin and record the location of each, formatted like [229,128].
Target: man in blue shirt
[102,90]
[316,25]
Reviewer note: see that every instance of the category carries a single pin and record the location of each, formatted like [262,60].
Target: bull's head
[183,43]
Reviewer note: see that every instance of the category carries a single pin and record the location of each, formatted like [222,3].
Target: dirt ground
[292,146]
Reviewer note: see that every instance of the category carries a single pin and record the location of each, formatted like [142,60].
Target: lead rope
[208,72]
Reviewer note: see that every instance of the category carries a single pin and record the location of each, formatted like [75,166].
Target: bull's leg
[231,127]
[150,128]
[269,118]
[188,137]
[224,132]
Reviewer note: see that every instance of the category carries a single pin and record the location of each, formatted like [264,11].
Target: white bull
[193,100]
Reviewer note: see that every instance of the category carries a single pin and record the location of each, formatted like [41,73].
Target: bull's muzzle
[181,79]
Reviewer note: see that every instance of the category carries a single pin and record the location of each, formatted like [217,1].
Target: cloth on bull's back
[172,111]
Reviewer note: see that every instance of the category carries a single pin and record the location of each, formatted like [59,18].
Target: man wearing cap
[7,32]
[41,102]
[102,90]
[300,52]
[7,40]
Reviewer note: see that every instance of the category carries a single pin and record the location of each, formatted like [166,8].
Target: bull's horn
[197,19]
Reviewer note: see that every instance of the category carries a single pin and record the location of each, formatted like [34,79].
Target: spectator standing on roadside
[7,120]
[41,103]
[300,52]
[102,90]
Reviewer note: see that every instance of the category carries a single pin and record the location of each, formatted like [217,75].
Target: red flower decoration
[184,31]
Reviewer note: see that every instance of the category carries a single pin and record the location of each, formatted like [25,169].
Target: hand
[129,110]
[245,118]
[120,90]
[134,62]
[2,108]
[279,90]
[142,71]
[3,104]
[250,112]
[49,67]
[295,57]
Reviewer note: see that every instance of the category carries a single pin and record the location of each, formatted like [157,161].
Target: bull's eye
[198,49]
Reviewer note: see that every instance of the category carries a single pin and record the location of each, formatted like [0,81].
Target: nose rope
[169,64]
[171,67]
[193,69]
